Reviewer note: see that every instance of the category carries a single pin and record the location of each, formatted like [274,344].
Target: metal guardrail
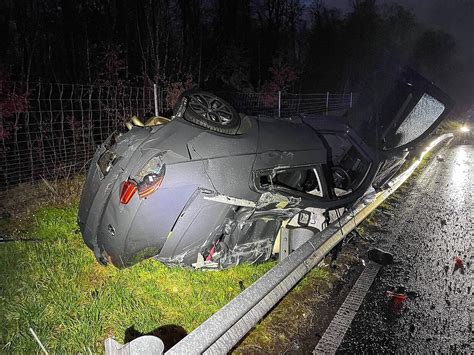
[226,327]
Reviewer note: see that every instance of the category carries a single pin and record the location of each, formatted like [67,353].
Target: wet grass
[53,285]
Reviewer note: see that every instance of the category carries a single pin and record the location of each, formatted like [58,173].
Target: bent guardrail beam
[219,333]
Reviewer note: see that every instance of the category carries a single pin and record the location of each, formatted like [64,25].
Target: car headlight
[106,162]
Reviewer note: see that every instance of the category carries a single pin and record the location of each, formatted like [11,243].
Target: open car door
[398,109]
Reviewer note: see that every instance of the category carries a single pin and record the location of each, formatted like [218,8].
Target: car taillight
[127,191]
[150,176]
[149,184]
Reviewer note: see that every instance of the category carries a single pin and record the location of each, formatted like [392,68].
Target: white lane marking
[335,332]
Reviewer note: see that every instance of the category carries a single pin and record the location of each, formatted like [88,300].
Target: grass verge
[53,284]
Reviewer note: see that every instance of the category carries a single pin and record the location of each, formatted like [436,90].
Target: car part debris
[458,265]
[397,299]
[379,256]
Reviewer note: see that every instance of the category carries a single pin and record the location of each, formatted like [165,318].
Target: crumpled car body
[187,195]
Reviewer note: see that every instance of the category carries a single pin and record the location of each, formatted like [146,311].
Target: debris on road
[386,213]
[397,299]
[430,239]
[458,265]
[381,257]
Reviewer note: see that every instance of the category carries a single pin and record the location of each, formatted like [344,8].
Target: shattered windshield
[423,115]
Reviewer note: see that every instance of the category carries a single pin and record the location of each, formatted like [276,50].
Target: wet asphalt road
[432,223]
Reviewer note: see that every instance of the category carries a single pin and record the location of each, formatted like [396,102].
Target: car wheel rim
[211,108]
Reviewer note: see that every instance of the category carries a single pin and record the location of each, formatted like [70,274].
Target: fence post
[327,102]
[350,104]
[155,94]
[279,103]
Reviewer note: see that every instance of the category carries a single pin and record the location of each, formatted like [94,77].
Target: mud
[431,225]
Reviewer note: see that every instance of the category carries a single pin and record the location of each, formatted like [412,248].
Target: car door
[398,109]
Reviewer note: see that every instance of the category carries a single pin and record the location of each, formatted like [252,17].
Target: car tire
[207,110]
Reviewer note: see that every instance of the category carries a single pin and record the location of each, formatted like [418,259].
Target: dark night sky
[452,16]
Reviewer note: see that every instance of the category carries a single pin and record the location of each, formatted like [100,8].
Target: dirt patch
[19,203]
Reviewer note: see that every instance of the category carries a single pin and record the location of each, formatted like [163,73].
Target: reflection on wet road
[431,226]
[460,167]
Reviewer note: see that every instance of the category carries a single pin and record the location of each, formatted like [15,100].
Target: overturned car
[211,187]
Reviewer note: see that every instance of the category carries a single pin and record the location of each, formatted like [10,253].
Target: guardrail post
[327,102]
[279,103]
[155,95]
[284,243]
[350,103]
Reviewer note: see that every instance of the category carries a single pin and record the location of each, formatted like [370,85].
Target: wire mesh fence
[280,104]
[50,130]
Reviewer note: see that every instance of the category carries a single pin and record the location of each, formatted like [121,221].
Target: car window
[303,179]
[421,118]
